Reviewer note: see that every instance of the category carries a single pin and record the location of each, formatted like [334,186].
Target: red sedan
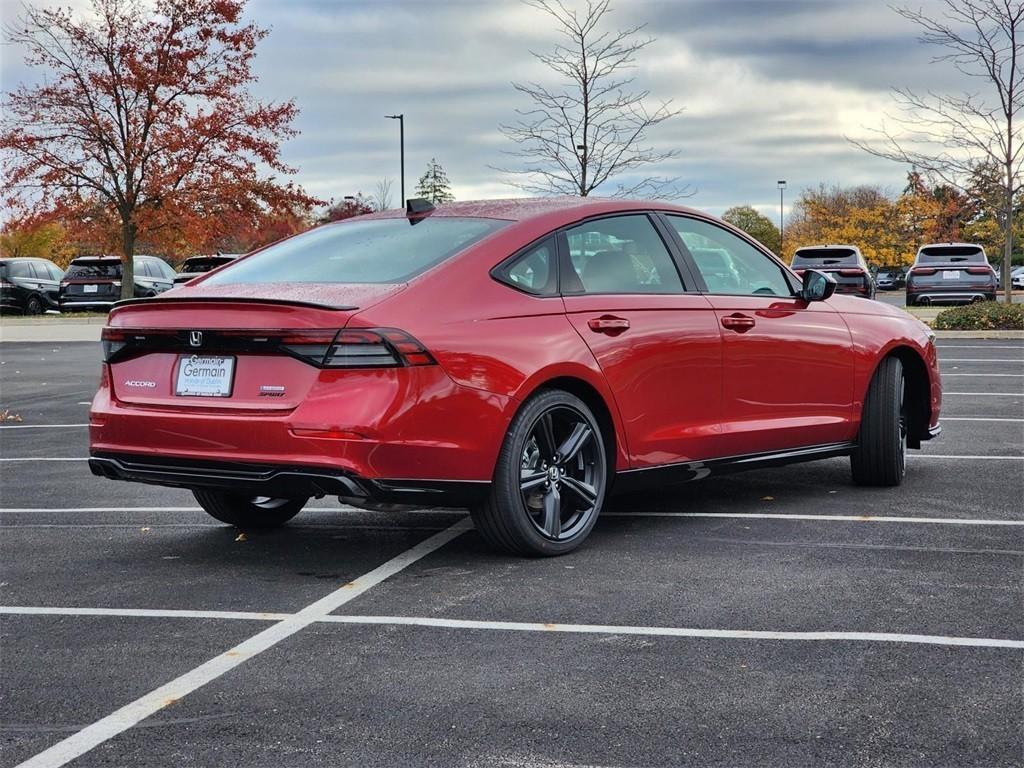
[519,358]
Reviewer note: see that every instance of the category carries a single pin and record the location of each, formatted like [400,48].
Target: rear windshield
[947,254]
[204,263]
[94,269]
[825,257]
[375,251]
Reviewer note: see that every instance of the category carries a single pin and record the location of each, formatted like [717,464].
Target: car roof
[521,209]
[90,259]
[948,245]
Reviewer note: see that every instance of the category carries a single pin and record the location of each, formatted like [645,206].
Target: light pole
[401,144]
[781,183]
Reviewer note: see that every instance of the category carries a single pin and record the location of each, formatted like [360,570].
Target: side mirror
[817,286]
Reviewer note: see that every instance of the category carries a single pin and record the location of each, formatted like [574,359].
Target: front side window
[373,251]
[620,254]
[533,271]
[729,264]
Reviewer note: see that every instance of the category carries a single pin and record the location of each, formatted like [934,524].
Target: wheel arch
[602,409]
[918,391]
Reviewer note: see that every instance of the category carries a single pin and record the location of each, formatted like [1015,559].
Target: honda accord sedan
[520,358]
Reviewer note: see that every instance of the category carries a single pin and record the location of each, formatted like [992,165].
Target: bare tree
[593,127]
[951,136]
[381,197]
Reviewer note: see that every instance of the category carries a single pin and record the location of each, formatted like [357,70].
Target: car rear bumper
[937,297]
[68,303]
[283,480]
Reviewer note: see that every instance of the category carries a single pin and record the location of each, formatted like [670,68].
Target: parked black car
[94,282]
[890,280]
[28,285]
[950,273]
[844,263]
[200,265]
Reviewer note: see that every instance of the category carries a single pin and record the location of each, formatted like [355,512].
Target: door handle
[738,322]
[608,324]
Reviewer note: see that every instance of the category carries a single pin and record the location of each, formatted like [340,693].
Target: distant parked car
[844,263]
[950,273]
[30,286]
[890,280]
[200,265]
[1017,278]
[94,282]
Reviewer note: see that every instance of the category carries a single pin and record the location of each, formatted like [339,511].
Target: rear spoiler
[229,300]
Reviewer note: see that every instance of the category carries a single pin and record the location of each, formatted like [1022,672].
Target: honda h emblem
[195,338]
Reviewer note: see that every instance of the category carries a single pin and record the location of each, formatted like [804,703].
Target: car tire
[245,511]
[542,503]
[33,306]
[880,458]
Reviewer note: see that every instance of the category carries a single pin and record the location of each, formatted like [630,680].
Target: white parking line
[1002,375]
[520,626]
[32,610]
[986,394]
[916,456]
[41,426]
[735,515]
[124,718]
[829,518]
[975,418]
[982,360]
[979,346]
[737,634]
[50,458]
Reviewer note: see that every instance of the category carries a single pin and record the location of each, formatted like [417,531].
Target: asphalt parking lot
[780,618]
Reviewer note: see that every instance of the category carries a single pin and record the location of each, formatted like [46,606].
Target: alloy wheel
[562,474]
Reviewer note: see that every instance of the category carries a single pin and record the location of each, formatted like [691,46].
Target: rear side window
[110,269]
[951,254]
[533,270]
[19,269]
[203,263]
[825,257]
[619,254]
[374,251]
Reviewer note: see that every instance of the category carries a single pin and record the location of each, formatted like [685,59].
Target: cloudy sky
[769,88]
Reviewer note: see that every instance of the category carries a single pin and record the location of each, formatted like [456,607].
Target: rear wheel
[34,306]
[248,511]
[881,455]
[550,479]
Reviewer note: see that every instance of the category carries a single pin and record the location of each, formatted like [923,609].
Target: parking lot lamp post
[782,191]
[401,145]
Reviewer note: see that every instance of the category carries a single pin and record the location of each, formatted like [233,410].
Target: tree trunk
[128,232]
[1008,246]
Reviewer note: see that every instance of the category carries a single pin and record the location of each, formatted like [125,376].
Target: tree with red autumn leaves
[145,111]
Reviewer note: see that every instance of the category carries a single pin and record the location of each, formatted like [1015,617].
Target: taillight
[310,346]
[979,271]
[114,340]
[376,348]
[851,272]
[923,271]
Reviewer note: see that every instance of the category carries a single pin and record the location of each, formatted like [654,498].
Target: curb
[51,332]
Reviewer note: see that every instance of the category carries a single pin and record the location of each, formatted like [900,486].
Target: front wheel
[550,479]
[248,511]
[881,454]
[34,306]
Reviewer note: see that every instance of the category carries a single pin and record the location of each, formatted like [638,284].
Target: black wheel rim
[562,473]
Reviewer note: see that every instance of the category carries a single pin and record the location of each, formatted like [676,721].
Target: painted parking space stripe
[978,375]
[426,512]
[521,626]
[984,394]
[916,456]
[825,518]
[977,418]
[736,634]
[42,426]
[982,360]
[124,718]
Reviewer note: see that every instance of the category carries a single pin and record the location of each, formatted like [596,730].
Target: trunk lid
[228,348]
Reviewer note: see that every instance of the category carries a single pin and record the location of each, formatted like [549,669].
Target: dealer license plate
[951,274]
[90,288]
[205,376]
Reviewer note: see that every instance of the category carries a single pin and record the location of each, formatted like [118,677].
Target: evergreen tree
[434,185]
